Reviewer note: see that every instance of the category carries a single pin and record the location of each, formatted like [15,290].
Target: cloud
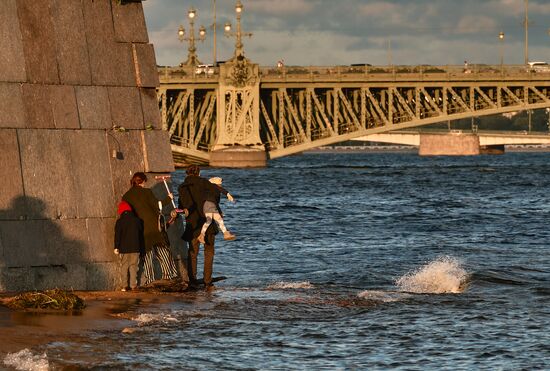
[541,8]
[380,9]
[311,32]
[475,24]
[311,48]
[281,7]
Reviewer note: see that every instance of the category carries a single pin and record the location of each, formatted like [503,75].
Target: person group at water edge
[145,205]
[212,210]
[129,245]
[191,200]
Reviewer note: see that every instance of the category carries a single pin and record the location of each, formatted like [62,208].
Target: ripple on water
[349,225]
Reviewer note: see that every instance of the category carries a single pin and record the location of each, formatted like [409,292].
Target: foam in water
[382,296]
[24,360]
[443,275]
[281,285]
[146,318]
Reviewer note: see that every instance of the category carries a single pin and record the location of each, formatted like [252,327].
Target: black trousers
[194,245]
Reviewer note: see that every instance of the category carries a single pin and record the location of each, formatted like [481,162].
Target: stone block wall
[72,72]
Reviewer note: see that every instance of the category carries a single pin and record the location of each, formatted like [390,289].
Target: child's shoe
[201,238]
[228,236]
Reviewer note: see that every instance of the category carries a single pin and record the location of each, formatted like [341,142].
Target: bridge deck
[328,74]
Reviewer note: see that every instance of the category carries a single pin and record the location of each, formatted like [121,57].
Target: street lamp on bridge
[192,59]
[239,47]
[501,47]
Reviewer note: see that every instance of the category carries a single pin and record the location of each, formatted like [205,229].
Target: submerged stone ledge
[56,299]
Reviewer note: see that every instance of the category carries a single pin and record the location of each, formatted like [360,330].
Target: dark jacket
[145,205]
[213,194]
[129,233]
[192,197]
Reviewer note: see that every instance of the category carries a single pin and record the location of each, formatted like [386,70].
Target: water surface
[357,261]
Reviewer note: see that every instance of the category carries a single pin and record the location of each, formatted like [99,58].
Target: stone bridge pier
[238,118]
[78,116]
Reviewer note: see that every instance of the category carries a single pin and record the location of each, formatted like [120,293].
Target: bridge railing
[388,73]
[350,73]
[186,73]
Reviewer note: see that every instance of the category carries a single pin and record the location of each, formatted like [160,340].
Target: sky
[343,32]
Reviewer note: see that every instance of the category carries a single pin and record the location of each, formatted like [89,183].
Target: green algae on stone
[55,299]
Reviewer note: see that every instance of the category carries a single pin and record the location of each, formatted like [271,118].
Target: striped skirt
[167,266]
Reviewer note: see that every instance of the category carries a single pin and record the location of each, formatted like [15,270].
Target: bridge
[240,111]
[486,137]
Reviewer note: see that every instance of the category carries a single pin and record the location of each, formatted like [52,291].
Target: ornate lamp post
[239,48]
[192,59]
[215,62]
[238,141]
[526,24]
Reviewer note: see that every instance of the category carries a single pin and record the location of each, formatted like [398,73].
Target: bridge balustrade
[342,73]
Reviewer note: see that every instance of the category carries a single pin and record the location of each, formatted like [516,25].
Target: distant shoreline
[360,149]
[410,149]
[387,149]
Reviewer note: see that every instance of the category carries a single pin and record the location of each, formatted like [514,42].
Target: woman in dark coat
[145,205]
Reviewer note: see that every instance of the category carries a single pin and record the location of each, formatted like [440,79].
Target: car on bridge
[207,69]
[358,67]
[538,67]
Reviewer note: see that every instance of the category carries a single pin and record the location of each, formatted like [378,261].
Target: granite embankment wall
[70,70]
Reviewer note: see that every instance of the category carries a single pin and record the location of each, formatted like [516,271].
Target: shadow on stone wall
[37,253]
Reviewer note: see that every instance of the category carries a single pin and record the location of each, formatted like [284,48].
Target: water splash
[443,275]
[24,360]
[281,285]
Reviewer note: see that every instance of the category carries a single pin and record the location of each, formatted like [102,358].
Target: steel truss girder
[296,117]
[188,116]
[309,116]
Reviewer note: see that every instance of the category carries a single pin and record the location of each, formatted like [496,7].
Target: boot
[228,236]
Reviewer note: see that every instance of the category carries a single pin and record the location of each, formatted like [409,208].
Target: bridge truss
[312,107]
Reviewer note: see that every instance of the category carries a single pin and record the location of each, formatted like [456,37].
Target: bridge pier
[496,149]
[458,144]
[71,75]
[238,141]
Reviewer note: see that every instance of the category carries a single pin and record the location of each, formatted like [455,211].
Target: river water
[356,262]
